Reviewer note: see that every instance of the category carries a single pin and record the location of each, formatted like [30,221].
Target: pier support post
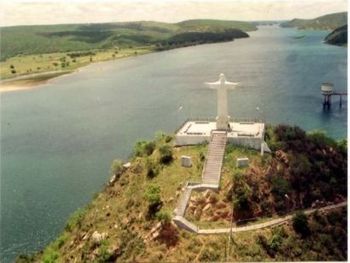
[327,101]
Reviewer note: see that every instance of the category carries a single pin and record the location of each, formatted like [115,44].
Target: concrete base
[249,134]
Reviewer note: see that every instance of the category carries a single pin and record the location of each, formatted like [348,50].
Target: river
[58,140]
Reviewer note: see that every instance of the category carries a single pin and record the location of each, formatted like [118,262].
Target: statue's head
[222,78]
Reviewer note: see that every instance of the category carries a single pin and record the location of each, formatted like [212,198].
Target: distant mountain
[26,40]
[326,22]
[207,25]
[338,37]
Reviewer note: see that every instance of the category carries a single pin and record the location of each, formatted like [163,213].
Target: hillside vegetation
[130,220]
[338,37]
[29,50]
[326,22]
[26,40]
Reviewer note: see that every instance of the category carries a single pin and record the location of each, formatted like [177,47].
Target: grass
[56,62]
[120,211]
[229,168]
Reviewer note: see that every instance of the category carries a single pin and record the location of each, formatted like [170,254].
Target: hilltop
[338,37]
[27,40]
[326,22]
[130,220]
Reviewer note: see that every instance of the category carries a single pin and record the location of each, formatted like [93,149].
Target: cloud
[25,12]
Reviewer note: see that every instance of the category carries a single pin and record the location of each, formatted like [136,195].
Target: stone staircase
[210,179]
[212,167]
[182,204]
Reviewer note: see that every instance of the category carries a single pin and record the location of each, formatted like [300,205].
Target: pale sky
[29,12]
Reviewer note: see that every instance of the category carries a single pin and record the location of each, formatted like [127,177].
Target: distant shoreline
[31,81]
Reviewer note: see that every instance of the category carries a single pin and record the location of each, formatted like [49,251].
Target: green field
[64,61]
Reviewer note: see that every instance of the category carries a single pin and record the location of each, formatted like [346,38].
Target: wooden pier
[327,92]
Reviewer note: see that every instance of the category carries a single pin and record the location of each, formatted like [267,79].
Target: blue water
[57,141]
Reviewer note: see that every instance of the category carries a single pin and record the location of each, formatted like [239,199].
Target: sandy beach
[18,85]
[29,81]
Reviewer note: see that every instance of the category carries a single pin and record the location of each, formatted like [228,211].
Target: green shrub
[163,216]
[161,137]
[280,186]
[116,167]
[301,224]
[209,255]
[300,171]
[50,255]
[166,154]
[262,241]
[343,146]
[144,148]
[276,241]
[152,169]
[59,242]
[287,133]
[104,254]
[152,194]
[321,139]
[75,219]
[241,193]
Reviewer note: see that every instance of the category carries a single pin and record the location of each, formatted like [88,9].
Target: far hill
[214,25]
[326,22]
[338,37]
[27,40]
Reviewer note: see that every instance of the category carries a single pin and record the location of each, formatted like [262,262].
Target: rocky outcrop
[338,37]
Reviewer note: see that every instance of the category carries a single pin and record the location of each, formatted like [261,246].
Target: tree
[144,148]
[166,154]
[152,195]
[241,197]
[321,139]
[300,170]
[300,224]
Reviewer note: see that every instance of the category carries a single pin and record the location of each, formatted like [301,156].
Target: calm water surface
[58,141]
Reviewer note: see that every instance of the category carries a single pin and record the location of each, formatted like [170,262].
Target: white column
[222,119]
